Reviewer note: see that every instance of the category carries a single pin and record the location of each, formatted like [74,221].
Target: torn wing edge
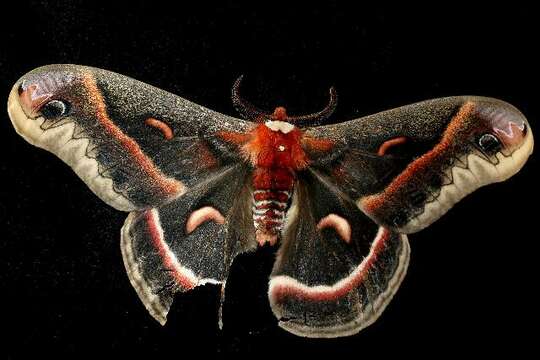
[361,322]
[150,300]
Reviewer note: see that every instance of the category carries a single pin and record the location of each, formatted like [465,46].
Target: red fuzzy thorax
[274,149]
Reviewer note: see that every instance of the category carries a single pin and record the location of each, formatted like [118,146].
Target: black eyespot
[489,144]
[54,109]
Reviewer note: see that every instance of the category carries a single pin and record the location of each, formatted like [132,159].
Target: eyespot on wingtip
[505,122]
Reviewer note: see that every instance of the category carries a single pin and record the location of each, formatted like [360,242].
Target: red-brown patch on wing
[372,202]
[206,158]
[234,137]
[281,289]
[385,146]
[161,126]
[319,145]
[339,173]
[168,185]
[169,260]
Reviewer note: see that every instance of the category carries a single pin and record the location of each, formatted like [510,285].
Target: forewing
[134,145]
[189,241]
[336,269]
[406,167]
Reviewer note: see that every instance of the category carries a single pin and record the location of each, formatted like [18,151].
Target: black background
[473,275]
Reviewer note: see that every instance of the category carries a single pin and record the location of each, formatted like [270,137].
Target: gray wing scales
[406,167]
[190,241]
[134,145]
[336,269]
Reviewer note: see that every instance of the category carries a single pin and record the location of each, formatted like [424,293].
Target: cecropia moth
[202,187]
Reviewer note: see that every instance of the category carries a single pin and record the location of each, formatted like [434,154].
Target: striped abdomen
[269,209]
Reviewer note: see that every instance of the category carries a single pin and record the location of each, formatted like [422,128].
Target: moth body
[275,152]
